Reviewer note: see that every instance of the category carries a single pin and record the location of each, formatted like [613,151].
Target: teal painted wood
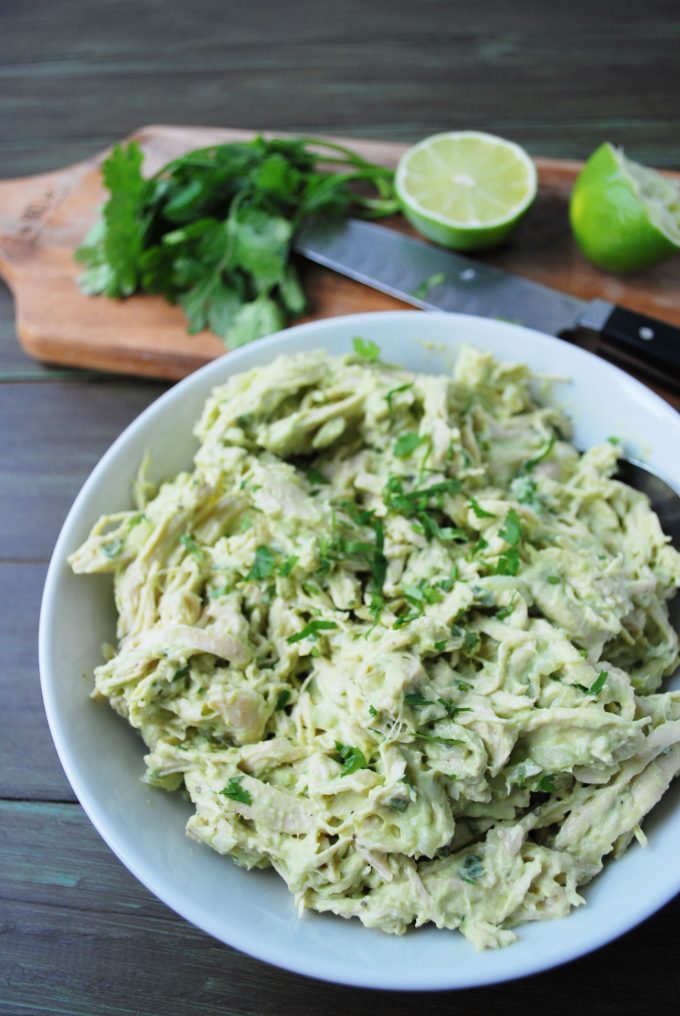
[93,941]
[53,435]
[558,78]
[29,767]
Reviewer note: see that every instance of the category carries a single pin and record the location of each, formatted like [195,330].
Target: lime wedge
[465,189]
[624,216]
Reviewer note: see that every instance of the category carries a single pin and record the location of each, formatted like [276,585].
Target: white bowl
[102,756]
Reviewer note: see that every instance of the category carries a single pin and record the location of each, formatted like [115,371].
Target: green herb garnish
[366,349]
[351,758]
[112,549]
[395,391]
[286,567]
[263,564]
[213,229]
[187,541]
[532,463]
[471,870]
[236,792]
[422,291]
[480,512]
[407,444]
[311,631]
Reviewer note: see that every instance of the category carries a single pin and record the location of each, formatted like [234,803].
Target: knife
[436,279]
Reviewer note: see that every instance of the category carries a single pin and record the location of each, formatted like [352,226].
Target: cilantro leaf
[112,549]
[532,463]
[263,563]
[236,792]
[188,541]
[124,215]
[478,510]
[512,529]
[422,291]
[472,869]
[407,444]
[599,683]
[311,631]
[366,349]
[395,391]
[351,758]
[287,566]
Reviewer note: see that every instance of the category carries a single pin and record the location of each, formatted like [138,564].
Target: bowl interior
[102,756]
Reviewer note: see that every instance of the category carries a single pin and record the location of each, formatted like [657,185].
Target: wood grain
[53,435]
[92,933]
[44,218]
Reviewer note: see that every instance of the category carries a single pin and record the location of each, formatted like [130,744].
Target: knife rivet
[468,274]
[646,333]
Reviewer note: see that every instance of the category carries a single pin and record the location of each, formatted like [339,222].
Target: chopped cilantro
[599,683]
[366,349]
[395,391]
[471,641]
[422,291]
[512,529]
[554,580]
[236,792]
[407,444]
[282,699]
[188,541]
[112,549]
[441,646]
[414,698]
[398,803]
[263,564]
[351,758]
[480,512]
[311,631]
[532,463]
[452,709]
[472,869]
[372,711]
[546,783]
[286,567]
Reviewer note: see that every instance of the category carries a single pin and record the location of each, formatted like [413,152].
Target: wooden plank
[114,949]
[29,767]
[528,69]
[53,435]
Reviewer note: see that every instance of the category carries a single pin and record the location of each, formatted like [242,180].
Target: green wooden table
[78,934]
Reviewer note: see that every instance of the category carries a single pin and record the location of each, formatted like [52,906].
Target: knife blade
[432,278]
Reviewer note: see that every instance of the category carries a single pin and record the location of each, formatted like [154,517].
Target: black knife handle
[646,337]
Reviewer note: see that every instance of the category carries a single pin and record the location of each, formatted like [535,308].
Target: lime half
[465,189]
[624,216]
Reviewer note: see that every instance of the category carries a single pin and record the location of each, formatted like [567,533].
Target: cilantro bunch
[212,231]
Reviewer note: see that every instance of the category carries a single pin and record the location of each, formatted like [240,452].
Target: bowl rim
[219,370]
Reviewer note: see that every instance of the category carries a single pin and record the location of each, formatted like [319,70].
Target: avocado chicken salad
[399,640]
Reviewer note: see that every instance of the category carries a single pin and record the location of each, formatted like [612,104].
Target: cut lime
[465,189]
[624,216]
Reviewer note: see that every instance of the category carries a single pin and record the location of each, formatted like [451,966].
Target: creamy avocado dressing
[398,640]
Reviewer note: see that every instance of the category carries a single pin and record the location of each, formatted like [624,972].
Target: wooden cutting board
[44,218]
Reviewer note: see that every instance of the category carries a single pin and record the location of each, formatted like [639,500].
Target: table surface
[78,934]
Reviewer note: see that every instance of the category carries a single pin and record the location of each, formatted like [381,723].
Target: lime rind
[625,217]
